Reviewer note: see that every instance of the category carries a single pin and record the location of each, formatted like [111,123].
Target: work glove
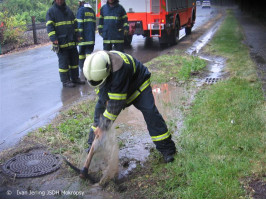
[55,48]
[125,32]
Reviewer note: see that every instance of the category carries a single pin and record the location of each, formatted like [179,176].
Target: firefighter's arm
[75,21]
[110,114]
[125,21]
[100,26]
[117,98]
[94,18]
[50,27]
[80,20]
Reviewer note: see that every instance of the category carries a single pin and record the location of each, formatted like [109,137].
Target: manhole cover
[211,80]
[31,165]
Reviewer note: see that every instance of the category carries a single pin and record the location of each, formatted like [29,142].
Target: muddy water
[131,131]
[128,143]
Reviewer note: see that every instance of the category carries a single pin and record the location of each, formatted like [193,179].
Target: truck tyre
[174,37]
[163,40]
[128,40]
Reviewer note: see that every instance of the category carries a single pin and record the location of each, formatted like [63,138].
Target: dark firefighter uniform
[86,31]
[129,83]
[112,26]
[62,26]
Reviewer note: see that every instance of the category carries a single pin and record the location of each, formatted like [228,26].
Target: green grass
[68,133]
[223,139]
[176,66]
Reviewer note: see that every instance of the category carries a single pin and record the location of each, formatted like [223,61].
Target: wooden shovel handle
[90,155]
[84,172]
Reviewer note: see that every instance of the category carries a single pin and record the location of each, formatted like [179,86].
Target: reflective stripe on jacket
[112,23]
[124,85]
[86,25]
[61,25]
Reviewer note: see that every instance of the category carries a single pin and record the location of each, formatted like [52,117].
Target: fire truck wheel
[175,33]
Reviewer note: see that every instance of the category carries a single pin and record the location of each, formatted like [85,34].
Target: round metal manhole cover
[31,165]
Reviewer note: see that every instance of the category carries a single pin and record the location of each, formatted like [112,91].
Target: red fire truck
[158,18]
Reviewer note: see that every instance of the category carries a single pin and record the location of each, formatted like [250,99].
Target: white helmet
[97,68]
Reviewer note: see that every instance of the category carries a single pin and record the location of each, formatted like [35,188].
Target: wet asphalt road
[31,92]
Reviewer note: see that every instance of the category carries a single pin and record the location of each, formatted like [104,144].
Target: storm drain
[211,80]
[31,165]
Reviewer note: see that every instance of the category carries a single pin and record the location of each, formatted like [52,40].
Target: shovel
[84,172]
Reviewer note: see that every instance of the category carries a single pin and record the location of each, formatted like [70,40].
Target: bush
[12,29]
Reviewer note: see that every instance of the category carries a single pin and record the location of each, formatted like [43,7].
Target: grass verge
[68,133]
[176,66]
[223,140]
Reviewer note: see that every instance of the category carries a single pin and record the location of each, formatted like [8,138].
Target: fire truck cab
[158,18]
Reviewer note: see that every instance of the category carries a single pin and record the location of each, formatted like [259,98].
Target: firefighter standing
[122,80]
[61,28]
[86,30]
[113,25]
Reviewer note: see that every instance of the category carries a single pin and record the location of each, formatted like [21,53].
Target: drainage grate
[31,165]
[211,80]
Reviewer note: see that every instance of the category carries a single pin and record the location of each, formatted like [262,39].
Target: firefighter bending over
[113,25]
[61,28]
[86,30]
[121,81]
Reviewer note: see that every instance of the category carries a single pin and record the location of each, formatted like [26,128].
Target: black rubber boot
[69,84]
[78,81]
[168,158]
